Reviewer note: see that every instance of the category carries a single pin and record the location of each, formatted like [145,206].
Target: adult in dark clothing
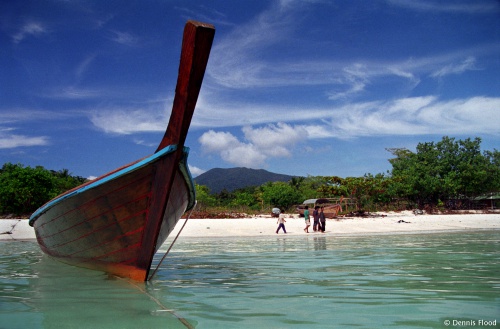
[322,220]
[316,225]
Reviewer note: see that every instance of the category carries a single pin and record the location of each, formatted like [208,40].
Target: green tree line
[446,174]
[24,189]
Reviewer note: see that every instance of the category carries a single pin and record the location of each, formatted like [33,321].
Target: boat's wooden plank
[81,210]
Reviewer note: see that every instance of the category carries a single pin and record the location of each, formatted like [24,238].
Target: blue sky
[293,87]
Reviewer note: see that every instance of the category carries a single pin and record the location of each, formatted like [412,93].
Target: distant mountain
[231,179]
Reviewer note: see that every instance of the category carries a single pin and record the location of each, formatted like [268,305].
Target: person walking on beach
[316,225]
[322,220]
[281,221]
[306,217]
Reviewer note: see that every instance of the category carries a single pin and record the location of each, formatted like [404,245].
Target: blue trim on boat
[189,179]
[140,164]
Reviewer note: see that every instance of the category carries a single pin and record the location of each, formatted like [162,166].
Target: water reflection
[410,281]
[39,292]
[414,281]
[319,243]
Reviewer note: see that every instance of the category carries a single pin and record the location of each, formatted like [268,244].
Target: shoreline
[385,223]
[381,224]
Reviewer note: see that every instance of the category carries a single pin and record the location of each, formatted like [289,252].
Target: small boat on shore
[117,222]
[331,206]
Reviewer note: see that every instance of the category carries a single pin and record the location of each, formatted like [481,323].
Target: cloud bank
[259,144]
[11,141]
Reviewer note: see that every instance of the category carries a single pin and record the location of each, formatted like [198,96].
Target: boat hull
[117,223]
[330,211]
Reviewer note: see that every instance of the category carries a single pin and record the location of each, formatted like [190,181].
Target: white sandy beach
[15,229]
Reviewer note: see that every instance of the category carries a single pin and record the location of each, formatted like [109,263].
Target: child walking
[306,217]
[281,221]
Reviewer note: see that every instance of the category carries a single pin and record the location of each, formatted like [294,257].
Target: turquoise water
[382,281]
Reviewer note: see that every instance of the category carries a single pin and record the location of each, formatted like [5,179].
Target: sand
[383,223]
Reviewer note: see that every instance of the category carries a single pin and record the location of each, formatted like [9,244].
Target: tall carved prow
[196,45]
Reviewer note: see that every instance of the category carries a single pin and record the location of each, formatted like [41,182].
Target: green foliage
[281,195]
[65,181]
[244,199]
[435,173]
[309,187]
[204,198]
[332,186]
[444,170]
[24,189]
[493,169]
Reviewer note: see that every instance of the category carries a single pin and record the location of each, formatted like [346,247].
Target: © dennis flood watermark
[470,323]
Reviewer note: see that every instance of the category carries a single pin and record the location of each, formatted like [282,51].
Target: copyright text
[470,323]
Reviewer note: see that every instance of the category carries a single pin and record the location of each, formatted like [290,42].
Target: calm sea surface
[383,281]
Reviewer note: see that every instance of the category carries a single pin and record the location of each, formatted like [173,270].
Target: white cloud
[354,86]
[213,141]
[398,117]
[129,121]
[205,14]
[84,65]
[145,143]
[466,65]
[274,139]
[231,150]
[195,171]
[239,60]
[401,117]
[124,38]
[271,141]
[29,29]
[418,116]
[14,115]
[8,141]
[484,6]
[71,92]
[237,63]
[244,155]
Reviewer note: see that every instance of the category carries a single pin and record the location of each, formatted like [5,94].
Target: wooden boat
[117,222]
[331,207]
